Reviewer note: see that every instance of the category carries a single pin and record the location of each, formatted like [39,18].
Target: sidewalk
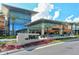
[11,51]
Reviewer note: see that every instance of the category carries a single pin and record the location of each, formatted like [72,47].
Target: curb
[48,45]
[12,51]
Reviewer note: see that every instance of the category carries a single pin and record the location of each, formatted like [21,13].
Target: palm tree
[13,20]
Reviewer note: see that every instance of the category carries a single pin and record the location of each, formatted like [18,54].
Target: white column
[73,29]
[28,30]
[42,29]
[61,30]
[76,27]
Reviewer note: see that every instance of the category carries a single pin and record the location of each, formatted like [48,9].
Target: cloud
[76,19]
[43,9]
[69,18]
[56,15]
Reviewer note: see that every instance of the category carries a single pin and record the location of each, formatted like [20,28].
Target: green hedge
[77,36]
[1,43]
[7,37]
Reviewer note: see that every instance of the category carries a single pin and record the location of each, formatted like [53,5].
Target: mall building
[14,17]
[15,20]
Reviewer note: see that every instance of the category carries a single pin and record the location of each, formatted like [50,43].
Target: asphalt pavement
[63,48]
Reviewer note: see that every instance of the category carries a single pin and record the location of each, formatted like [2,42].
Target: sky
[54,11]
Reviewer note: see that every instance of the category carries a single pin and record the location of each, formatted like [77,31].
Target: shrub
[18,46]
[1,43]
[7,37]
[10,47]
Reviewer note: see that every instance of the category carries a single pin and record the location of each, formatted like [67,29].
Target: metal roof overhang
[19,9]
[46,21]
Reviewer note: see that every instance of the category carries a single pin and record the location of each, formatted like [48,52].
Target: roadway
[62,48]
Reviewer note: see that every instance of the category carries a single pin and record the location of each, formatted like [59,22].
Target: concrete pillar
[42,29]
[28,30]
[61,30]
[75,32]
[72,31]
[76,27]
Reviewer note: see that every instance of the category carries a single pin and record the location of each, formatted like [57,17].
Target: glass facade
[50,27]
[38,26]
[20,20]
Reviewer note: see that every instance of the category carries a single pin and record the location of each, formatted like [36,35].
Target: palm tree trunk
[13,28]
[13,20]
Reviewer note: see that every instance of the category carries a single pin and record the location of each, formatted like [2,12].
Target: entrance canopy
[47,23]
[44,26]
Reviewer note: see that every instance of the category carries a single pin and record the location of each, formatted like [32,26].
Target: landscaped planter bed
[38,42]
[9,47]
